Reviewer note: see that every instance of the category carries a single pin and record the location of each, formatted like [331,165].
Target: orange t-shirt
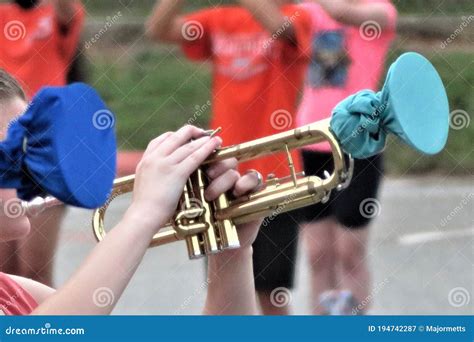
[14,300]
[256,76]
[33,47]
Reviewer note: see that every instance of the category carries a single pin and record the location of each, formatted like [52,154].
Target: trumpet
[210,227]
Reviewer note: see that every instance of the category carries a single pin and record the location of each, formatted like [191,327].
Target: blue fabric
[413,105]
[63,145]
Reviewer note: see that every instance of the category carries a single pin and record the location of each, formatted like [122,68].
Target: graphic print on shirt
[242,56]
[329,60]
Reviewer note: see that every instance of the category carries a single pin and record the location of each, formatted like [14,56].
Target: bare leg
[36,254]
[319,240]
[351,255]
[268,308]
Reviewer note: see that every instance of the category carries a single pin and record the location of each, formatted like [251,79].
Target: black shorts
[274,252]
[352,207]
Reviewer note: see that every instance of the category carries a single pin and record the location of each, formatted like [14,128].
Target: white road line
[417,238]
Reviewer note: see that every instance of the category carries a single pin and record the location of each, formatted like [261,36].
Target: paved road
[421,254]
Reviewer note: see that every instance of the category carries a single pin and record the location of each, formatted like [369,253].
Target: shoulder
[35,289]
[320,19]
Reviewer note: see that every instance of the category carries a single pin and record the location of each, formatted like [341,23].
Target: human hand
[163,171]
[224,177]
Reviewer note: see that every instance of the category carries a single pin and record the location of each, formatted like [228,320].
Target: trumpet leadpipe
[39,204]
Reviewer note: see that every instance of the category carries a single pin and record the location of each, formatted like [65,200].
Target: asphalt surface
[420,252]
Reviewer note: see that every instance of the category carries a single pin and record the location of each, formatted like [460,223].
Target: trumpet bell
[412,105]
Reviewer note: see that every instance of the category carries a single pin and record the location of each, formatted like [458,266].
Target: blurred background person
[259,53]
[350,40]
[38,47]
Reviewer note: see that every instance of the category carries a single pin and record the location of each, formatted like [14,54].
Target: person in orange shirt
[259,52]
[38,42]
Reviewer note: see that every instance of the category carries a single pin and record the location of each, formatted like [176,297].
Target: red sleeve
[69,41]
[301,23]
[14,300]
[196,32]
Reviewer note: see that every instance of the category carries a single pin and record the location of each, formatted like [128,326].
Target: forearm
[160,24]
[98,284]
[268,14]
[231,286]
[357,13]
[65,11]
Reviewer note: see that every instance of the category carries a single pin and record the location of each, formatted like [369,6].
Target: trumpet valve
[273,180]
[228,237]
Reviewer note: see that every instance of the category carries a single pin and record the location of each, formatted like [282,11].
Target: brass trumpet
[209,227]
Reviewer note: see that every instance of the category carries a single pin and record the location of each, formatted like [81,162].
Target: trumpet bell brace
[412,104]
[63,145]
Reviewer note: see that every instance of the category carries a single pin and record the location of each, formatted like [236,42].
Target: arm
[95,288]
[231,286]
[65,11]
[268,14]
[356,13]
[100,281]
[165,23]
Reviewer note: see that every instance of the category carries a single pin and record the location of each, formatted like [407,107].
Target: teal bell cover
[412,105]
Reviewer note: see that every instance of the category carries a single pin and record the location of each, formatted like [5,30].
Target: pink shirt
[345,59]
[14,300]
